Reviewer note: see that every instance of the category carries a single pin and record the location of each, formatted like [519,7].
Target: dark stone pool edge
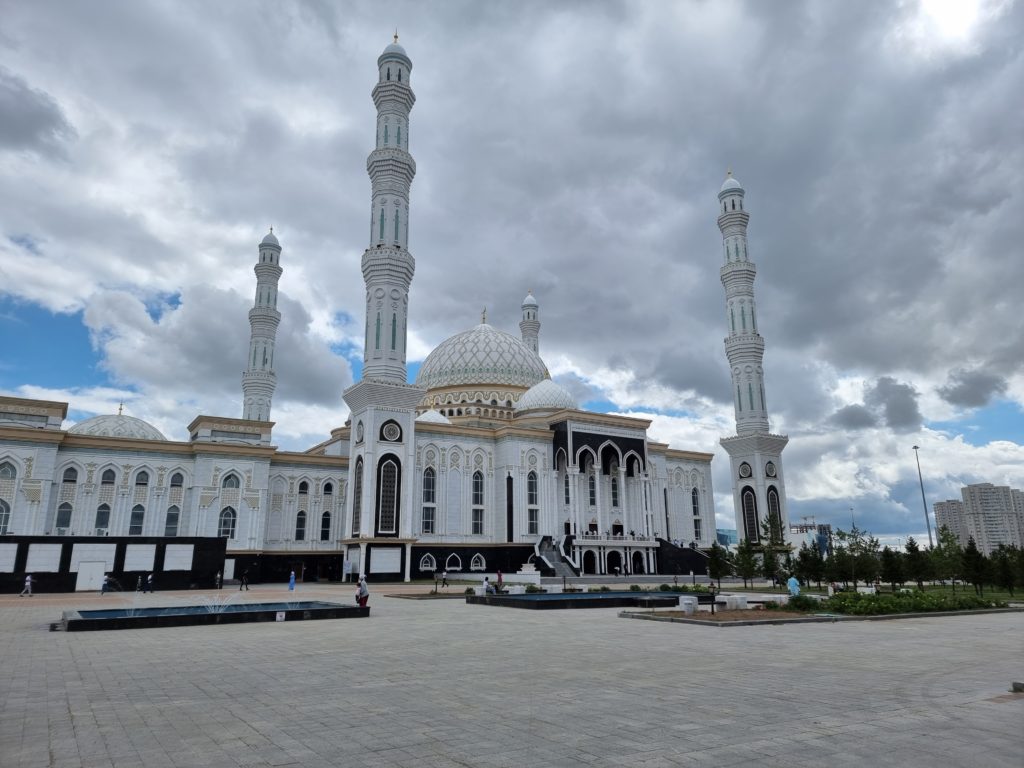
[72,621]
[810,619]
[569,601]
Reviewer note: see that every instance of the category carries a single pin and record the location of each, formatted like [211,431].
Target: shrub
[635,588]
[469,591]
[856,604]
[604,589]
[666,588]
[532,589]
[803,603]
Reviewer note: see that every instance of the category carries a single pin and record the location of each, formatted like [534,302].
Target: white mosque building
[483,464]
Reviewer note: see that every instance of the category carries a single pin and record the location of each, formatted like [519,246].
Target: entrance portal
[589,562]
[614,562]
[638,562]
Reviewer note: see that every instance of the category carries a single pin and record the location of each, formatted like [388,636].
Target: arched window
[325,526]
[142,478]
[399,74]
[328,489]
[70,475]
[387,496]
[303,488]
[429,500]
[453,563]
[394,325]
[428,563]
[531,489]
[566,484]
[695,502]
[750,526]
[177,480]
[750,394]
[381,237]
[137,519]
[357,496]
[774,513]
[739,398]
[63,518]
[389,73]
[230,481]
[532,510]
[615,491]
[478,504]
[734,204]
[478,563]
[592,488]
[300,526]
[102,519]
[5,517]
[377,338]
[226,523]
[171,524]
[385,133]
[7,471]
[398,141]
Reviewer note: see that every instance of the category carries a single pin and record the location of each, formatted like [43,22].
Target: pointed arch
[389,481]
[5,517]
[325,526]
[63,522]
[357,496]
[748,503]
[300,525]
[137,520]
[231,480]
[453,563]
[102,520]
[428,563]
[226,523]
[8,471]
[478,563]
[171,521]
[70,475]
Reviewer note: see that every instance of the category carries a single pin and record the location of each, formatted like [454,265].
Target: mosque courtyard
[442,683]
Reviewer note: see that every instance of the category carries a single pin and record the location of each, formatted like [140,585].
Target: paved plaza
[441,683]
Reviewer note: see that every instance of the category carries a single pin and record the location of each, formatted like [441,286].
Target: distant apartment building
[990,514]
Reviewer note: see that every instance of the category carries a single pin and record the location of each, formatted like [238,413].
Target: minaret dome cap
[529,301]
[730,183]
[270,239]
[395,51]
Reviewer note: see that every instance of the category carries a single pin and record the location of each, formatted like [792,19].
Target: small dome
[529,301]
[395,48]
[546,395]
[117,426]
[270,239]
[432,417]
[480,356]
[730,183]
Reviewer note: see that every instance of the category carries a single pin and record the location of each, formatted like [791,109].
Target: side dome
[117,426]
[432,417]
[481,356]
[547,395]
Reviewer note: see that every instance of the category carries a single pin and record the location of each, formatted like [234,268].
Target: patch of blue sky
[45,349]
[26,242]
[157,305]
[1002,420]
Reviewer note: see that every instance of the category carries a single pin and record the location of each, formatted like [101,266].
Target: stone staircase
[547,549]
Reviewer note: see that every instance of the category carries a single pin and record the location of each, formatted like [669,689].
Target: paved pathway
[441,683]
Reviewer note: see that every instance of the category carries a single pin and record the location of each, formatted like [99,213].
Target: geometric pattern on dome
[481,355]
[546,394]
[117,426]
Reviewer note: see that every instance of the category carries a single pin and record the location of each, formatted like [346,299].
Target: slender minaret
[259,380]
[387,264]
[382,455]
[756,455]
[529,326]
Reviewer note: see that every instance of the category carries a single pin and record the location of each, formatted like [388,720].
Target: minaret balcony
[392,91]
[749,342]
[733,219]
[268,314]
[391,161]
[267,271]
[388,262]
[736,271]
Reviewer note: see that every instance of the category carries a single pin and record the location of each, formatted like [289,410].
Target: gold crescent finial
[483,316]
[396,34]
[729,172]
[271,229]
[120,408]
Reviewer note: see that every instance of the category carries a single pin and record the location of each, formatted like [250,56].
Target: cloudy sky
[571,148]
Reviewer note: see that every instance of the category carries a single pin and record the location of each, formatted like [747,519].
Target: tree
[917,563]
[839,565]
[746,561]
[892,567]
[816,566]
[802,565]
[1002,567]
[975,566]
[718,563]
[947,557]
[769,564]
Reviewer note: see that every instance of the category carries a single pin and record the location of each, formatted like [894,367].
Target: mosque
[482,464]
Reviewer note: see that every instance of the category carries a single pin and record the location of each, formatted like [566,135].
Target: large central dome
[482,356]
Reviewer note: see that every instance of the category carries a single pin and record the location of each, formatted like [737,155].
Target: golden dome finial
[729,172]
[483,316]
[396,34]
[120,408]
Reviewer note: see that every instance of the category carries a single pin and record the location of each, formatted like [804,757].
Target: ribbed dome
[270,239]
[529,301]
[482,355]
[547,395]
[117,426]
[432,417]
[730,183]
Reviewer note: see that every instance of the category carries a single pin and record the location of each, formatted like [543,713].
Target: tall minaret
[756,455]
[529,326]
[259,380]
[379,512]
[387,264]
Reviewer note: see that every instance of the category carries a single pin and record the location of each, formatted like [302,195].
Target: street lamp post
[924,503]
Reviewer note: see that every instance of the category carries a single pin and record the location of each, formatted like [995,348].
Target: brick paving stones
[444,685]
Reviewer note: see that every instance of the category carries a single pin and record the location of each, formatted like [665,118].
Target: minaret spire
[758,489]
[529,326]
[259,379]
[388,266]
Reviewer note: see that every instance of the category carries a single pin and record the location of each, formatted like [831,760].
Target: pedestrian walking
[218,580]
[149,583]
[363,592]
[291,582]
[28,586]
[444,578]
[244,581]
[105,586]
[138,584]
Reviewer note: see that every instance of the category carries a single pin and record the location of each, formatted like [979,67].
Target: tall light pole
[924,503]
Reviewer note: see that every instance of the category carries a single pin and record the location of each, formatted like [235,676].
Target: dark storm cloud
[32,119]
[897,403]
[854,417]
[972,389]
